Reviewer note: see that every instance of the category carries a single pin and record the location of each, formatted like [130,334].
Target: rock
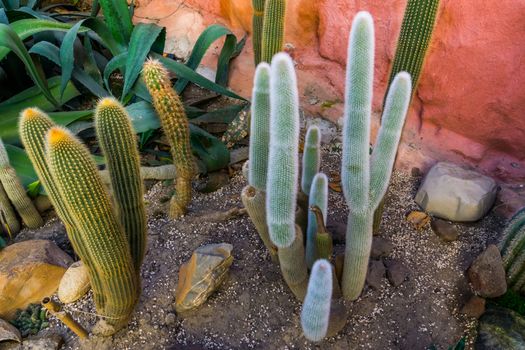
[474,307]
[338,231]
[445,230]
[9,332]
[29,271]
[74,284]
[238,155]
[376,272]
[487,275]
[500,329]
[52,341]
[396,272]
[215,181]
[457,194]
[170,319]
[381,247]
[202,275]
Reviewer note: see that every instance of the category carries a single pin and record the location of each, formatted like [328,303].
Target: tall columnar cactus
[365,180]
[315,315]
[254,195]
[318,198]
[176,127]
[17,193]
[513,251]
[8,220]
[257,28]
[273,29]
[118,142]
[34,126]
[77,179]
[311,157]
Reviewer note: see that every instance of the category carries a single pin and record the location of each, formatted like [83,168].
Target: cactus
[311,157]
[176,127]
[76,177]
[323,239]
[293,265]
[365,180]
[318,198]
[117,140]
[8,218]
[513,251]
[272,40]
[315,315]
[257,28]
[17,193]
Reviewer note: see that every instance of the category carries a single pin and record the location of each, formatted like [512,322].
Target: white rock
[455,193]
[74,284]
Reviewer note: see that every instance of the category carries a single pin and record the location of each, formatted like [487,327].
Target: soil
[253,308]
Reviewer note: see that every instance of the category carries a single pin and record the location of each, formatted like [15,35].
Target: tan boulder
[74,284]
[29,271]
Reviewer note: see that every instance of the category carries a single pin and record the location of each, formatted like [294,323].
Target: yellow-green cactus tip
[56,135]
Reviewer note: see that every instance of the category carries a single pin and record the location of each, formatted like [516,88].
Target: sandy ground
[253,309]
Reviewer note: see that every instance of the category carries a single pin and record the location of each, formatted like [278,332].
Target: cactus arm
[176,127]
[318,197]
[17,193]
[355,173]
[260,128]
[293,265]
[385,150]
[315,314]
[323,238]
[311,157]
[80,186]
[8,220]
[257,28]
[284,143]
[118,142]
[273,29]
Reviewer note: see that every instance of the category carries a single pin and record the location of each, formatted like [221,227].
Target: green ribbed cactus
[365,180]
[315,315]
[257,28]
[176,127]
[118,142]
[318,198]
[8,220]
[311,158]
[513,251]
[100,232]
[272,40]
[17,193]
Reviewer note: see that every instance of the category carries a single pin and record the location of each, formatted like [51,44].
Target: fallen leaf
[418,219]
[335,186]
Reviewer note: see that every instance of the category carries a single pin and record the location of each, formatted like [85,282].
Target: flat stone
[74,284]
[202,275]
[457,194]
[381,247]
[396,272]
[474,307]
[445,230]
[500,329]
[9,332]
[170,319]
[487,275]
[376,273]
[29,271]
[52,341]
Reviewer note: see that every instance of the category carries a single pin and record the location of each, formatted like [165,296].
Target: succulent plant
[257,28]
[31,320]
[318,198]
[176,127]
[272,40]
[8,220]
[16,192]
[311,157]
[512,249]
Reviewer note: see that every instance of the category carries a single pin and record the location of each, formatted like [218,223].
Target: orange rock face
[470,101]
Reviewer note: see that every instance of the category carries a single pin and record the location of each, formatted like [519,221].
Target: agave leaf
[118,19]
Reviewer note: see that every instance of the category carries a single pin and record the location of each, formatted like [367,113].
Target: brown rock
[202,275]
[396,272]
[475,307]
[381,247]
[29,271]
[9,332]
[445,230]
[376,273]
[74,284]
[487,275]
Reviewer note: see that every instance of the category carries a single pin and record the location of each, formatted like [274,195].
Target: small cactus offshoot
[318,198]
[31,320]
[311,157]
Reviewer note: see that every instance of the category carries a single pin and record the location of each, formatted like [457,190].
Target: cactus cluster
[176,127]
[110,241]
[16,193]
[513,252]
[31,320]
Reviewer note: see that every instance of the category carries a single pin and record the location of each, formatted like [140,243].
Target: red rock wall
[470,101]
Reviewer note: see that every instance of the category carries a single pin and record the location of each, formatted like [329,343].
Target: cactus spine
[513,251]
[315,315]
[17,193]
[318,198]
[8,220]
[311,157]
[81,188]
[117,140]
[257,28]
[176,127]
[365,180]
[273,29]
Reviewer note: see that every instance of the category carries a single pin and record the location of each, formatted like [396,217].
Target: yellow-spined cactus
[272,40]
[8,220]
[176,127]
[17,193]
[257,28]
